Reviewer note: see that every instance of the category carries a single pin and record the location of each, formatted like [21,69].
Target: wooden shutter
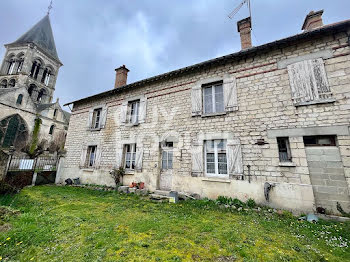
[119,157]
[197,159]
[234,157]
[230,94]
[89,120]
[196,98]
[103,117]
[123,112]
[83,156]
[98,157]
[142,110]
[321,78]
[308,81]
[138,158]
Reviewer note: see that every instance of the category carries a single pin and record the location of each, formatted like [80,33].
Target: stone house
[28,76]
[274,116]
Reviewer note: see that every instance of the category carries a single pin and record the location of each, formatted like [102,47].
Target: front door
[166,167]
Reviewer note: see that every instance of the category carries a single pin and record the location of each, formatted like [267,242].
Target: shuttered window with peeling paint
[308,81]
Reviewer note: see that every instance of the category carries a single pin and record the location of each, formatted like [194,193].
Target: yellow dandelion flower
[19,243]
[31,259]
[0,258]
[8,238]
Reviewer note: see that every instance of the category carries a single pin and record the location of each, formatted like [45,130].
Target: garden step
[158,197]
[162,192]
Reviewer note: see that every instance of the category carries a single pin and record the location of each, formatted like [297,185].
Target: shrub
[117,175]
[238,203]
[251,203]
[222,200]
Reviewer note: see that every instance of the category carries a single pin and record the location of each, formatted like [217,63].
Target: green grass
[76,224]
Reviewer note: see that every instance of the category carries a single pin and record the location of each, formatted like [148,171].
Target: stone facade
[262,110]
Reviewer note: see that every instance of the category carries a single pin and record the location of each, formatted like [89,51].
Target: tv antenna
[235,11]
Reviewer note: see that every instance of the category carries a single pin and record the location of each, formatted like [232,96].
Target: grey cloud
[150,36]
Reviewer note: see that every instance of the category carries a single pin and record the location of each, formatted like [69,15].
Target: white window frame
[133,113]
[96,117]
[216,174]
[88,159]
[132,153]
[213,87]
[169,157]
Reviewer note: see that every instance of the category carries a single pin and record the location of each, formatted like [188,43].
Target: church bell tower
[32,61]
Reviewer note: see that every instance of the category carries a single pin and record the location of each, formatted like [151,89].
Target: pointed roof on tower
[41,35]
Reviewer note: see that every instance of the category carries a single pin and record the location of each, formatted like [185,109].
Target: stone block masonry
[264,110]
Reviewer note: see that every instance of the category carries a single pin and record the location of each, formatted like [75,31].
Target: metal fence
[41,163]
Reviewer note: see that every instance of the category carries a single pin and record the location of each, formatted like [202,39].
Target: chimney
[121,76]
[244,26]
[313,20]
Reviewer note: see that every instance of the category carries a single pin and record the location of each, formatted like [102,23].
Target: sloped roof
[223,59]
[41,35]
[42,107]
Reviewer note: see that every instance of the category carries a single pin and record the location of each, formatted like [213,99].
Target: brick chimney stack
[121,76]
[313,20]
[244,27]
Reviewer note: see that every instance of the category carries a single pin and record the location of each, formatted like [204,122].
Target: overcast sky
[150,37]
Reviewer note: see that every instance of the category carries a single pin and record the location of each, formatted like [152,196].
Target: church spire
[41,35]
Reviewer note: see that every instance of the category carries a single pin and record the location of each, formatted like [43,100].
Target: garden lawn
[76,224]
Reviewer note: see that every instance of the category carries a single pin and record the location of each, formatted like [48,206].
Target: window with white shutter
[216,97]
[308,81]
[234,157]
[197,159]
[97,118]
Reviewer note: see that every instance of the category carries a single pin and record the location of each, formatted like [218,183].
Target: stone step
[158,197]
[162,192]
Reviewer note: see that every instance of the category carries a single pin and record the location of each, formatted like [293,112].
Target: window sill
[129,172]
[324,101]
[219,180]
[94,129]
[287,164]
[86,169]
[213,114]
[130,124]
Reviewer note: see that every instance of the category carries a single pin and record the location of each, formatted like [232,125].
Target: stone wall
[264,104]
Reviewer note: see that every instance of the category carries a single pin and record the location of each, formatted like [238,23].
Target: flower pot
[141,185]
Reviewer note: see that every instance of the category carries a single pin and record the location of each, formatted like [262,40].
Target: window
[91,156]
[11,67]
[133,112]
[130,156]
[52,128]
[34,72]
[167,156]
[32,88]
[96,118]
[12,83]
[41,95]
[19,99]
[215,156]
[3,84]
[213,98]
[55,112]
[308,81]
[20,65]
[46,77]
[284,149]
[319,140]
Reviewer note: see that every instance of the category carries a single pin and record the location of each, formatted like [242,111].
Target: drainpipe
[248,173]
